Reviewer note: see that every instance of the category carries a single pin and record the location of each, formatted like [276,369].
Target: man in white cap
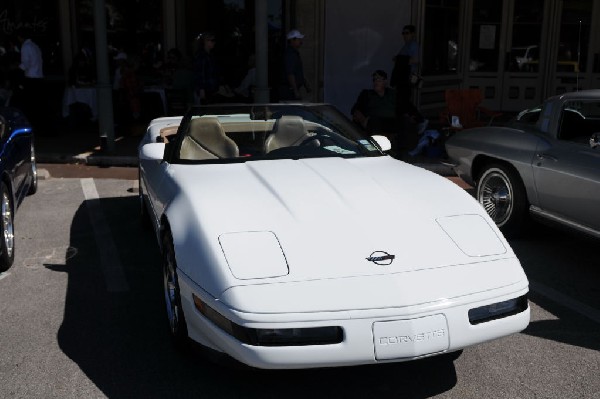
[293,78]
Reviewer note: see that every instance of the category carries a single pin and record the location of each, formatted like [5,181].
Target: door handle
[542,156]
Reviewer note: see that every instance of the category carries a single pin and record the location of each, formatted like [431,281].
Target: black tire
[175,316]
[502,194]
[34,173]
[7,239]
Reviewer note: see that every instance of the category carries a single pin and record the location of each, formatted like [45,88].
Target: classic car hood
[322,218]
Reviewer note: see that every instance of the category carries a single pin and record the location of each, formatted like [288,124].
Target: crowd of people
[21,77]
[386,108]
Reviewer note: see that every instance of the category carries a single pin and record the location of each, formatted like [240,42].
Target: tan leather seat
[288,131]
[207,140]
[167,132]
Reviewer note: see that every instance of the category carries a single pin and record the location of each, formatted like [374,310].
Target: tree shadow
[120,340]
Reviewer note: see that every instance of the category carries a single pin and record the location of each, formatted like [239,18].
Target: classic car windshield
[529,116]
[239,133]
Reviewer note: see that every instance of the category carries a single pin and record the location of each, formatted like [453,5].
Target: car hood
[327,218]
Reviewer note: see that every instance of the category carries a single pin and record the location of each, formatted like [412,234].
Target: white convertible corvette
[291,240]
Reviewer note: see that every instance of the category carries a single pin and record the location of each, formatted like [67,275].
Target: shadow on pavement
[121,340]
[564,263]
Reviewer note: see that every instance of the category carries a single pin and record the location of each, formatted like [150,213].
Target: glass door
[506,52]
[483,65]
[570,61]
[524,56]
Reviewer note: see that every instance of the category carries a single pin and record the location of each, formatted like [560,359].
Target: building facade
[517,52]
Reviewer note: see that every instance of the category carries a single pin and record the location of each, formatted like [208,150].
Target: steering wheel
[318,136]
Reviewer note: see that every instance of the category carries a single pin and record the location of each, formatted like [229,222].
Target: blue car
[18,175]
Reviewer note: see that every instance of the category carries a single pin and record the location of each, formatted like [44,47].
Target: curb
[92,160]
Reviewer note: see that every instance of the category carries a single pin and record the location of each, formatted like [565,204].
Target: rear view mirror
[383,142]
[152,152]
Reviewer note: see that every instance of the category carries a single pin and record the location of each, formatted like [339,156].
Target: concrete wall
[346,41]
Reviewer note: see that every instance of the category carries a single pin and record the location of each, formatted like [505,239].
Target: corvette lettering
[405,339]
[381,258]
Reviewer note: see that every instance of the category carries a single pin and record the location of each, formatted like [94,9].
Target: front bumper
[371,336]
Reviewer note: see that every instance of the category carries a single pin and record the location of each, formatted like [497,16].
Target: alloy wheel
[496,196]
[7,224]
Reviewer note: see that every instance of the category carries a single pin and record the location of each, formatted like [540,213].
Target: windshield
[245,132]
[528,117]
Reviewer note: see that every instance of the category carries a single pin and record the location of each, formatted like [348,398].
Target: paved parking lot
[82,313]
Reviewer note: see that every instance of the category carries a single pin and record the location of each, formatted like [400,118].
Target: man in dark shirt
[293,79]
[206,72]
[375,109]
[380,111]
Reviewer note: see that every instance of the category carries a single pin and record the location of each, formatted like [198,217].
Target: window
[41,16]
[232,22]
[526,36]
[440,42]
[485,36]
[574,36]
[579,120]
[133,26]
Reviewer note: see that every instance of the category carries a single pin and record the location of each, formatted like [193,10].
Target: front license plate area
[410,338]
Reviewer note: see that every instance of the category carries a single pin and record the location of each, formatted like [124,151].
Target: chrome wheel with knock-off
[501,193]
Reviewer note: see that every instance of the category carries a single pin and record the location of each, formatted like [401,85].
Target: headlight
[297,336]
[271,336]
[472,234]
[253,254]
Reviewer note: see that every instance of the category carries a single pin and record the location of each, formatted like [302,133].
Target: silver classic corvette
[545,163]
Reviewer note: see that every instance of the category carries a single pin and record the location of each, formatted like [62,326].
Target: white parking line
[4,274]
[568,302]
[109,257]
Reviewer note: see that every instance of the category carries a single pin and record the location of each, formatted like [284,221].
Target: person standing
[31,56]
[293,79]
[406,63]
[206,75]
[30,98]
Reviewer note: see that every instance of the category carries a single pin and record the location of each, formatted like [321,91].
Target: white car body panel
[316,221]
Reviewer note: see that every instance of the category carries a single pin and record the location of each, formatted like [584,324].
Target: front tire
[7,239]
[175,316]
[502,194]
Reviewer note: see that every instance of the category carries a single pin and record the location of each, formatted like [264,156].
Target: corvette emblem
[381,258]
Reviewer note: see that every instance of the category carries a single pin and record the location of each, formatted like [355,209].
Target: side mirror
[152,152]
[595,140]
[383,142]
